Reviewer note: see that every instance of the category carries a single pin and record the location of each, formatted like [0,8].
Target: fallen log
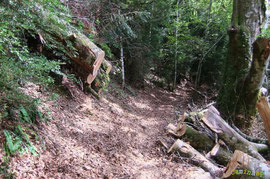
[234,140]
[193,136]
[62,40]
[264,111]
[178,130]
[244,165]
[197,158]
[220,154]
[89,56]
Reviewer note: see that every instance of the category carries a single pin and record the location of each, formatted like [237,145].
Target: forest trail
[116,137]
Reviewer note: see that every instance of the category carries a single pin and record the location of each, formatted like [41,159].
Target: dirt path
[112,138]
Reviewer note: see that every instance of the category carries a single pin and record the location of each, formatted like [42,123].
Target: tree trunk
[247,17]
[253,83]
[193,136]
[220,154]
[122,64]
[176,45]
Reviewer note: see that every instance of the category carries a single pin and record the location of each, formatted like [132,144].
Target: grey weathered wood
[197,158]
[225,132]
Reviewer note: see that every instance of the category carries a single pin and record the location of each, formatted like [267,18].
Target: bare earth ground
[116,137]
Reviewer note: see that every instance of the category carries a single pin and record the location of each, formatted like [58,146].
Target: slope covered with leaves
[21,62]
[117,137]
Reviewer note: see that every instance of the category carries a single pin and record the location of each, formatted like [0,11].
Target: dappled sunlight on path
[116,137]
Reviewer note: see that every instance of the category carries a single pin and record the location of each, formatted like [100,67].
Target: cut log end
[246,165]
[264,111]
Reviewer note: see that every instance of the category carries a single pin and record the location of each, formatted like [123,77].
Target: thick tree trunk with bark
[90,58]
[238,95]
[62,40]
[193,136]
[253,83]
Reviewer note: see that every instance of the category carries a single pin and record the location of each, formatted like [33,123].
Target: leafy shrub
[20,62]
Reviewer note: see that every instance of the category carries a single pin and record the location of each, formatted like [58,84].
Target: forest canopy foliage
[148,32]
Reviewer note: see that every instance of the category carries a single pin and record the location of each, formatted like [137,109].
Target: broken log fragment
[181,126]
[106,66]
[176,132]
[264,111]
[220,154]
[244,165]
[197,158]
[180,129]
[193,136]
[172,130]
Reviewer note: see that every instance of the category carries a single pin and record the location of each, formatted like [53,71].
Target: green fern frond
[29,145]
[25,116]
[12,147]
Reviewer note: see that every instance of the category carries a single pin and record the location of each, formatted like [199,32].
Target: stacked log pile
[212,144]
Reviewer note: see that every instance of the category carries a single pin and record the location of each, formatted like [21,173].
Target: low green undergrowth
[22,62]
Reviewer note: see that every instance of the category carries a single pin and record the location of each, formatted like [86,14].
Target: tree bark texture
[253,82]
[234,100]
[220,154]
[193,136]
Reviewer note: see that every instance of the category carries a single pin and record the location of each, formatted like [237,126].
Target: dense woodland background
[220,46]
[172,40]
